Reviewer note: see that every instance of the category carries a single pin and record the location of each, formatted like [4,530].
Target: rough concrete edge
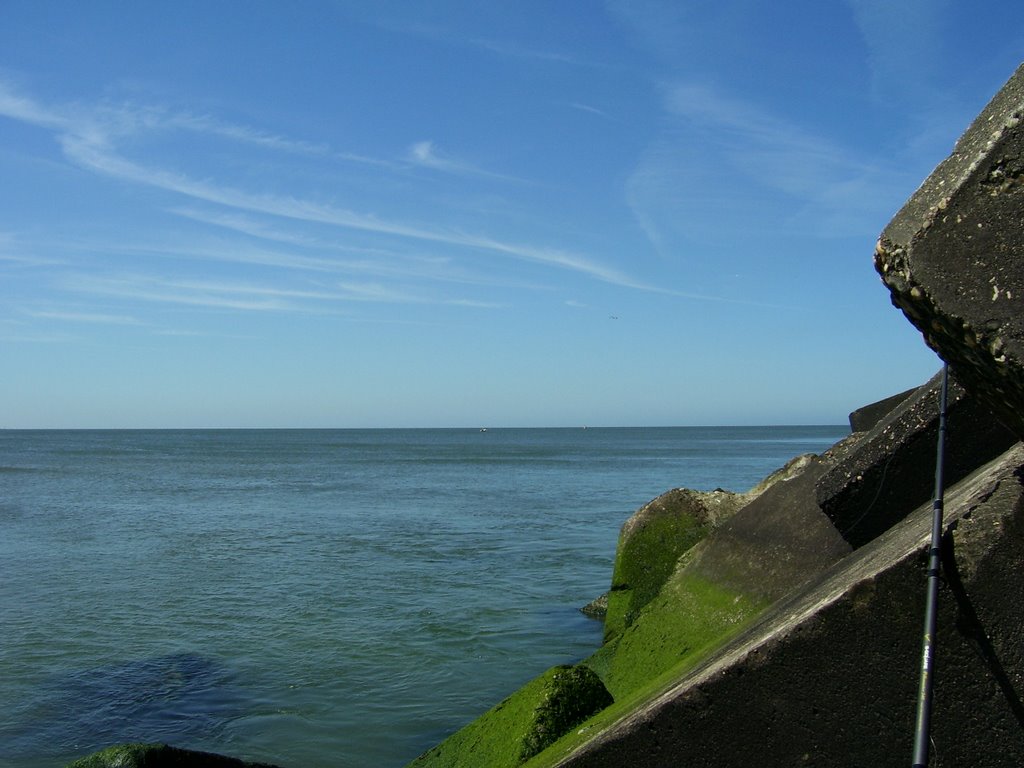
[865,418]
[717,507]
[901,416]
[907,538]
[1002,113]
[973,145]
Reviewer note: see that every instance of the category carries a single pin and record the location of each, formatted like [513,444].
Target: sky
[468,214]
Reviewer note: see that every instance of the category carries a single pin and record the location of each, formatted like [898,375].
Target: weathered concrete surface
[159,756]
[865,417]
[891,469]
[828,677]
[657,535]
[770,546]
[775,543]
[953,257]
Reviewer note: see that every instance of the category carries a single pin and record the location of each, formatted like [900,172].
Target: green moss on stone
[649,547]
[689,622]
[574,694]
[158,756]
[688,618]
[523,724]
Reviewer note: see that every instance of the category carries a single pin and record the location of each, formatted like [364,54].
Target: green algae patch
[650,545]
[658,651]
[524,724]
[158,756]
[688,618]
[575,693]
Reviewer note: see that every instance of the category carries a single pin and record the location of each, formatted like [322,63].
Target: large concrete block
[879,479]
[953,257]
[829,676]
[865,417]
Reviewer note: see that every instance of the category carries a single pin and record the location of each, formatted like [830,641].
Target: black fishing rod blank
[922,735]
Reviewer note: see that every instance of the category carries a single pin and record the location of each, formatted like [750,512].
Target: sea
[316,598]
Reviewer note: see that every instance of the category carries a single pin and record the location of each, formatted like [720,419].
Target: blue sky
[352,214]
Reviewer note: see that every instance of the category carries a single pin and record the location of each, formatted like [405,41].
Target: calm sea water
[315,598]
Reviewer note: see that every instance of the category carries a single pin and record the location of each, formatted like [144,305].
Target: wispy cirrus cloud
[14,252]
[425,154]
[83,317]
[315,256]
[242,296]
[519,51]
[588,109]
[722,167]
[902,41]
[405,24]
[212,295]
[90,143]
[775,152]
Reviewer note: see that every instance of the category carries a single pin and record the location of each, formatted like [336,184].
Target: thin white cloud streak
[13,251]
[89,144]
[377,292]
[26,110]
[776,152]
[149,289]
[209,125]
[31,261]
[205,124]
[95,156]
[249,226]
[589,109]
[38,338]
[436,33]
[514,50]
[424,154]
[375,262]
[248,297]
[380,293]
[83,317]
[720,164]
[905,54]
[104,123]
[902,42]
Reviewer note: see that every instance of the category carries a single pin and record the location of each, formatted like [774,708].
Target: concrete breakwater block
[776,542]
[953,257]
[828,675]
[865,417]
[651,542]
[883,476]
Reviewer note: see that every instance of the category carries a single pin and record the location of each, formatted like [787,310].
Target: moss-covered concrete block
[159,756]
[687,619]
[697,594]
[658,534]
[651,543]
[524,724]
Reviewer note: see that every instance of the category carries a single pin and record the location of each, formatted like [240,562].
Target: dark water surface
[315,598]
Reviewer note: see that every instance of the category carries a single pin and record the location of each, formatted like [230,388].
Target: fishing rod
[922,736]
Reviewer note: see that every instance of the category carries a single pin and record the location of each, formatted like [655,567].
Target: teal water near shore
[315,598]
